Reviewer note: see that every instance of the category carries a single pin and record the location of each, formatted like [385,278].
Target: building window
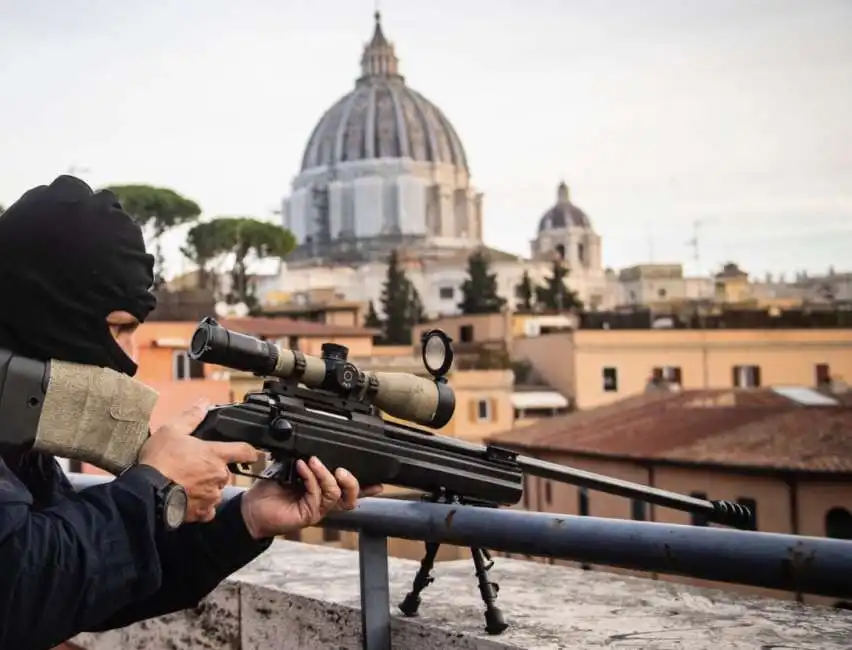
[638,510]
[560,251]
[466,333]
[746,376]
[699,519]
[838,523]
[751,504]
[610,380]
[670,374]
[446,293]
[185,368]
[581,253]
[483,410]
[823,374]
[661,293]
[548,493]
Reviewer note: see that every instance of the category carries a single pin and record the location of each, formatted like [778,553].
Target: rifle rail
[801,564]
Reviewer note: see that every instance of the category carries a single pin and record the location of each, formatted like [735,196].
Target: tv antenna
[693,243]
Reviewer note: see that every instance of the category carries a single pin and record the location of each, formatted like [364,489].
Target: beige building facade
[597,367]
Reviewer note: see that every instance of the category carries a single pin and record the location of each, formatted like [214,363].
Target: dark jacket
[97,560]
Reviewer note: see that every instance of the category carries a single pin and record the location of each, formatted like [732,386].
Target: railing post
[375,592]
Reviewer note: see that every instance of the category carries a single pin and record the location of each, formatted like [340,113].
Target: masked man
[75,282]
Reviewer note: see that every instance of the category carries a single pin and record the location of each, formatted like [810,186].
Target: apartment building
[602,366]
[787,454]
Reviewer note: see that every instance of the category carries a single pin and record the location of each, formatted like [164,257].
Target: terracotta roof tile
[754,428]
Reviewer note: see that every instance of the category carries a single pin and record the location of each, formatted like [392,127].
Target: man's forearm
[195,559]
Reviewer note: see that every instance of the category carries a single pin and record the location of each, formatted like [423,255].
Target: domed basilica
[385,170]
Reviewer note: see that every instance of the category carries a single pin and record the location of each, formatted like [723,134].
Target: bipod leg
[424,578]
[494,621]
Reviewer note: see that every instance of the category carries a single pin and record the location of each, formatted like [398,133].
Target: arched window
[581,253]
[560,250]
[838,523]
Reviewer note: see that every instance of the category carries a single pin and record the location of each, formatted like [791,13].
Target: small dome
[564,214]
[383,118]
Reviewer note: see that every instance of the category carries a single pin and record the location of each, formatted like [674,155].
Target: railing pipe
[810,565]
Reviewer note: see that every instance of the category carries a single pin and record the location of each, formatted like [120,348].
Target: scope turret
[405,396]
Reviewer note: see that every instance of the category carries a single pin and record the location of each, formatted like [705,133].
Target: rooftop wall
[300,597]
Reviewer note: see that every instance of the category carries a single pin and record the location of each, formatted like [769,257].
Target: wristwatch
[172,500]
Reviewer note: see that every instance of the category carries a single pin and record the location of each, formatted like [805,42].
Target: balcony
[303,597]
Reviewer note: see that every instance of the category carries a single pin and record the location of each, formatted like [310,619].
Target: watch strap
[153,476]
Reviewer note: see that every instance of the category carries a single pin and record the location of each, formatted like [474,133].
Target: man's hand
[270,510]
[200,467]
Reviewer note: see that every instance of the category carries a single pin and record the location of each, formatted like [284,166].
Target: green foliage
[401,303]
[373,322]
[157,210]
[525,292]
[245,239]
[479,290]
[555,294]
[158,207]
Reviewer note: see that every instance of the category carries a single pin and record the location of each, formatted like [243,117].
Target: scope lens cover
[437,353]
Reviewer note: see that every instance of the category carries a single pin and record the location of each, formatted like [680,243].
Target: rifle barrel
[719,511]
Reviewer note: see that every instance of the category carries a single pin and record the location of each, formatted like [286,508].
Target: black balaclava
[69,257]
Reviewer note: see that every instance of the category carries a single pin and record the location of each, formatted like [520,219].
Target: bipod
[482,562]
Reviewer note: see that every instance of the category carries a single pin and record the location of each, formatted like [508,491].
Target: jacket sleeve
[195,559]
[69,566]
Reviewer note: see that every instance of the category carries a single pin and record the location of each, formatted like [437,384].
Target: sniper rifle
[329,408]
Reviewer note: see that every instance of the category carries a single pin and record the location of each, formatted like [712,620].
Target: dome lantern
[379,57]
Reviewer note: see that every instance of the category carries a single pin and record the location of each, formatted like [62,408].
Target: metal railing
[811,565]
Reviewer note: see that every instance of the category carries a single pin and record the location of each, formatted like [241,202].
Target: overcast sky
[657,113]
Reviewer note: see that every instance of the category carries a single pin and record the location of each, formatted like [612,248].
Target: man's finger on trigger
[236,452]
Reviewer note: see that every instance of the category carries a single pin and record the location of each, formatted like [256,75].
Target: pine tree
[555,294]
[479,290]
[396,304]
[416,315]
[525,292]
[373,322]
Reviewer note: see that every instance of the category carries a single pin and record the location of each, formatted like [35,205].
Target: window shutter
[757,376]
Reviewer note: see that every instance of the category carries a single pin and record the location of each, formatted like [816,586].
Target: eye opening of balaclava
[68,258]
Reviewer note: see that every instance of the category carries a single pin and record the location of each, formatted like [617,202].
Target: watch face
[175,507]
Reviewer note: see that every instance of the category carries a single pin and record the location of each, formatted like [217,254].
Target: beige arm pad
[94,415]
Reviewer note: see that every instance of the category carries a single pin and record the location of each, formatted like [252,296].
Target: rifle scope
[405,396]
